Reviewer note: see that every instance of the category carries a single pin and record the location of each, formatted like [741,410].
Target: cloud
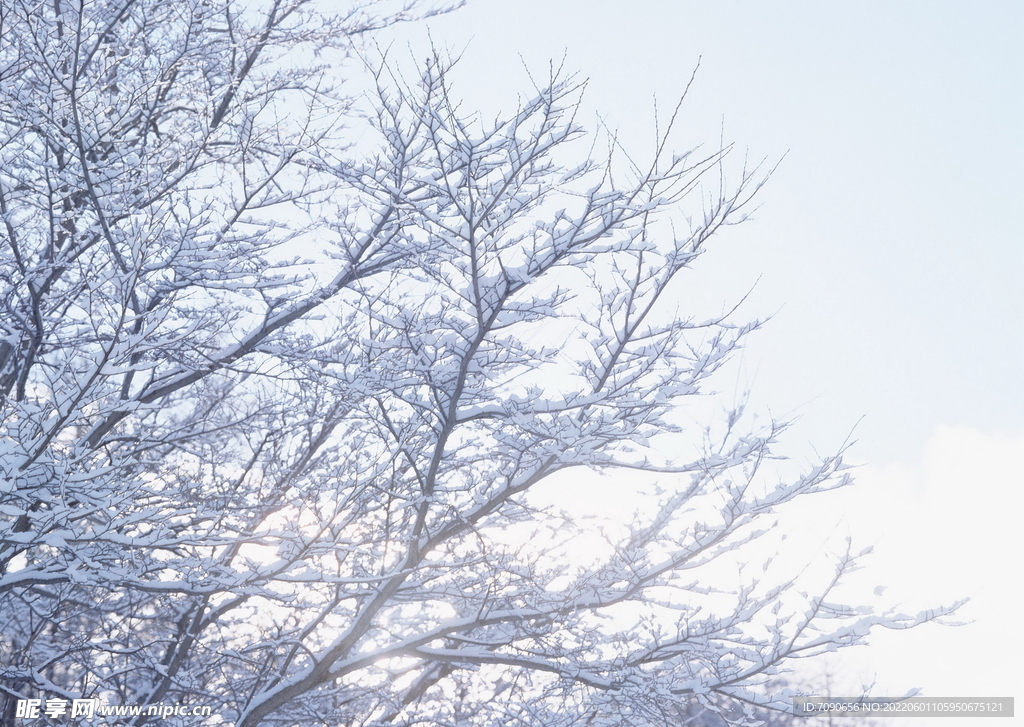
[945,528]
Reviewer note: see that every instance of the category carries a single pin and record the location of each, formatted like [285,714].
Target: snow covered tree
[286,370]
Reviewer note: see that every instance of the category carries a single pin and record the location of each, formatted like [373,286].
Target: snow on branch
[288,371]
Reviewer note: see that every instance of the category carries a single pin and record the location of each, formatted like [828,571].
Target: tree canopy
[283,365]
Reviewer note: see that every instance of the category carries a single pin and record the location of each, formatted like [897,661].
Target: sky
[887,248]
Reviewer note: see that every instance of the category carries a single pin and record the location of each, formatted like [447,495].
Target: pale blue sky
[890,243]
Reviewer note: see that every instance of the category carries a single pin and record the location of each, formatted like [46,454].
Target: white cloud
[946,528]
